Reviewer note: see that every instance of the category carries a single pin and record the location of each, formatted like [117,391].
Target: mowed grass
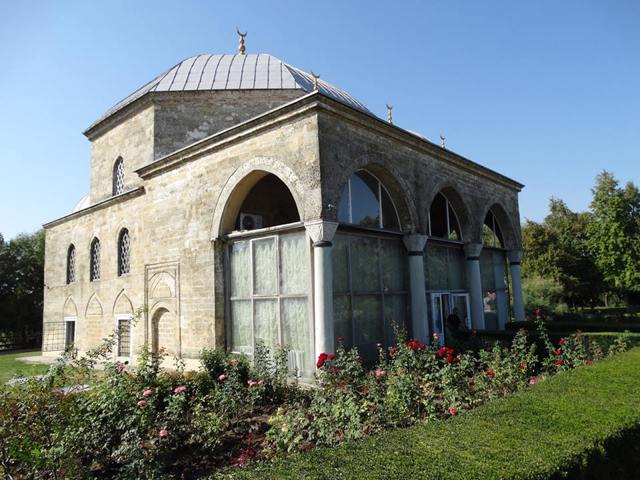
[11,367]
[583,423]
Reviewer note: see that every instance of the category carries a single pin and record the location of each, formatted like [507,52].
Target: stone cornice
[123,197]
[309,104]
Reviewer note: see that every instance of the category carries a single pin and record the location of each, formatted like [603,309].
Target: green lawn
[11,367]
[582,424]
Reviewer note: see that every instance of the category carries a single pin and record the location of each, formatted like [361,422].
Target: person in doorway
[454,324]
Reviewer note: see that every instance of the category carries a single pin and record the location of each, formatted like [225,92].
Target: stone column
[515,256]
[321,234]
[472,252]
[502,302]
[415,244]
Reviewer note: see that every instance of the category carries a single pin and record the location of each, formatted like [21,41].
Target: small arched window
[366,202]
[71,264]
[443,221]
[94,273]
[118,176]
[491,233]
[124,252]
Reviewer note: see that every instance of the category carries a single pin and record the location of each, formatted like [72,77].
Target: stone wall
[182,118]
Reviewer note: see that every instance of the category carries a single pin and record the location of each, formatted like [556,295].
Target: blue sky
[546,92]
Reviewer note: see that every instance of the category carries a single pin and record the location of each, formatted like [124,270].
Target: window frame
[118,183]
[122,318]
[448,206]
[71,268]
[381,187]
[95,262]
[120,265]
[256,235]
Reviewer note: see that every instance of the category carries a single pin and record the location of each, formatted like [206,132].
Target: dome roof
[234,72]
[82,204]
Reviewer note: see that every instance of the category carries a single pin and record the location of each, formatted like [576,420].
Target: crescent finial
[241,47]
[389,113]
[315,81]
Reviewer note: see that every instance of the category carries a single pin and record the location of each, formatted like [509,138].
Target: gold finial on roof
[389,113]
[442,141]
[241,47]
[315,81]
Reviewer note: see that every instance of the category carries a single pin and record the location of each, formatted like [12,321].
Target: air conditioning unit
[250,221]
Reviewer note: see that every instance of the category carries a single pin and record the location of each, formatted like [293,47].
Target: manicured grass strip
[11,367]
[585,420]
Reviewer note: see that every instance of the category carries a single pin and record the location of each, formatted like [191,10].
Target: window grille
[71,264]
[54,336]
[95,260]
[124,252]
[124,337]
[118,177]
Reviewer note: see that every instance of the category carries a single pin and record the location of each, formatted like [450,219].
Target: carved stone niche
[162,298]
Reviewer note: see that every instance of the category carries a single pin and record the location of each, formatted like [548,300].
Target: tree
[22,283]
[558,249]
[614,233]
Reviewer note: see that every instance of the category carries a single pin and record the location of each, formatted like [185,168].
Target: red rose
[449,358]
[453,411]
[522,366]
[340,339]
[589,361]
[558,352]
[331,356]
[559,362]
[456,359]
[321,359]
[491,373]
[561,342]
[442,351]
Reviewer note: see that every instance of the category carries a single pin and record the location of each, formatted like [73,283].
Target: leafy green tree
[22,284]
[558,249]
[614,233]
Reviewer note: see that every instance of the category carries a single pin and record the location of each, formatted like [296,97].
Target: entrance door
[460,306]
[70,332]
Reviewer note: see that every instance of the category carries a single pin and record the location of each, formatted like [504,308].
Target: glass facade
[269,282]
[494,288]
[370,290]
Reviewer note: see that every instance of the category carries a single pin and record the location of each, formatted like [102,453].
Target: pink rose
[142,403]
[453,411]
[260,382]
[222,377]
[379,373]
[120,367]
[147,393]
[180,389]
[533,380]
[251,383]
[163,433]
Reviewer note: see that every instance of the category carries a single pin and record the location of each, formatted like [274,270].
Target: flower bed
[145,422]
[583,424]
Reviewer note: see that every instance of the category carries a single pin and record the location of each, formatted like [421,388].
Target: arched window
[71,264]
[118,176]
[491,233]
[366,202]
[94,272]
[443,221]
[124,252]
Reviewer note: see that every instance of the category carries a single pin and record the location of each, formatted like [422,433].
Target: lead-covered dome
[234,72]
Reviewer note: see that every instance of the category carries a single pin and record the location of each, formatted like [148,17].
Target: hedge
[583,424]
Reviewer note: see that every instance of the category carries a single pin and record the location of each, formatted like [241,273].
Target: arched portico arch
[451,192]
[240,184]
[393,183]
[510,236]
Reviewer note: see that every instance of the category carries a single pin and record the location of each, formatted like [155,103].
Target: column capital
[472,250]
[321,232]
[415,243]
[514,256]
